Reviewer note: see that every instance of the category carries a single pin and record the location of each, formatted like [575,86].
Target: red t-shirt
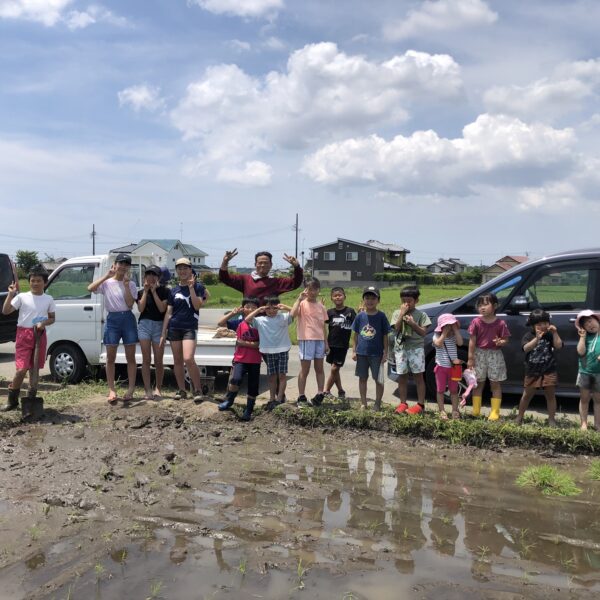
[243,354]
[486,332]
[265,286]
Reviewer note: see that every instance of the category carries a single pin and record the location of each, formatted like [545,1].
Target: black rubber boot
[248,410]
[13,400]
[228,402]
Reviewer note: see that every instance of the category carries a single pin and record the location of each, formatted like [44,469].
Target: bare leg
[403,387]
[596,398]
[496,389]
[146,346]
[420,382]
[159,367]
[189,351]
[273,383]
[362,388]
[18,379]
[320,374]
[528,394]
[282,378]
[454,401]
[550,393]
[111,355]
[584,405]
[177,350]
[131,369]
[302,376]
[439,396]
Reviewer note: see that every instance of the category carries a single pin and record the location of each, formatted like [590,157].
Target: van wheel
[67,363]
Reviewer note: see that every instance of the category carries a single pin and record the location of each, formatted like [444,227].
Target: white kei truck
[75,339]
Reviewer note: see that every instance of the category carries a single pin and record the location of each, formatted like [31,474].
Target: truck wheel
[67,363]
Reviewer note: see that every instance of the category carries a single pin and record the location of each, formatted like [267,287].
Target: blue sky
[464,128]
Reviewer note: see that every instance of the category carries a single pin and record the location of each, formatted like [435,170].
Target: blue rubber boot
[249,408]
[228,402]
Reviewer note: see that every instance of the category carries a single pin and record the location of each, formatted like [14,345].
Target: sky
[454,128]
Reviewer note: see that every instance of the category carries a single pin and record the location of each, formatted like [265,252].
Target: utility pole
[296,228]
[93,236]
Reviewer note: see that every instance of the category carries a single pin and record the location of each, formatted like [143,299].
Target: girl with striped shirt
[445,340]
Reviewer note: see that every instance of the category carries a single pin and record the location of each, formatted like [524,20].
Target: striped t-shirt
[447,353]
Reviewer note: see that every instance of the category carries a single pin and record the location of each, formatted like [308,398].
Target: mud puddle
[160,502]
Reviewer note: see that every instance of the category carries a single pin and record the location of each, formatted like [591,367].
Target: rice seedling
[549,480]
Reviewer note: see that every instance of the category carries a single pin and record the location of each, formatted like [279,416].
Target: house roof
[344,240]
[166,244]
[124,249]
[517,259]
[386,246]
[192,250]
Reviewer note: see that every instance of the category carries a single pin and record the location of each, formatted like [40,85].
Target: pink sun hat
[445,319]
[586,313]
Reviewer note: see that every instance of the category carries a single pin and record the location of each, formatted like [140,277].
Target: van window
[71,283]
[503,291]
[561,288]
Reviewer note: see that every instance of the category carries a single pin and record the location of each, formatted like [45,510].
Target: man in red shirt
[258,283]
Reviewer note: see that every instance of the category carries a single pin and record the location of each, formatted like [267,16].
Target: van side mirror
[517,304]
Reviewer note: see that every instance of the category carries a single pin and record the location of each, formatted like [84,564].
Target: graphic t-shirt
[312,317]
[184,316]
[541,359]
[590,363]
[340,326]
[370,330]
[32,308]
[114,294]
[407,338]
[487,332]
[243,354]
[273,332]
[151,311]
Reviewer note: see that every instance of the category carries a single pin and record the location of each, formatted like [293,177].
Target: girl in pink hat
[588,377]
[446,339]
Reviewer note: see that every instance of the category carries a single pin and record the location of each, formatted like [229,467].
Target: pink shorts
[24,346]
[443,380]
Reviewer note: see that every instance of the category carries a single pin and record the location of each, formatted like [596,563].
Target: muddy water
[222,510]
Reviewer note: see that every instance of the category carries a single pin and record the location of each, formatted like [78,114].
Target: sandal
[112,400]
[443,415]
[455,414]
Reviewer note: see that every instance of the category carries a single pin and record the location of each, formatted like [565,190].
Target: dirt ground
[174,500]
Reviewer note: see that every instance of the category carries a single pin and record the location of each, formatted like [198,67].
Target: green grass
[549,480]
[468,431]
[594,470]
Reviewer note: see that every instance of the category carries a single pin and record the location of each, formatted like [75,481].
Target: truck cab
[562,284]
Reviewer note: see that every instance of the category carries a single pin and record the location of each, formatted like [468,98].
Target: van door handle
[572,320]
[88,308]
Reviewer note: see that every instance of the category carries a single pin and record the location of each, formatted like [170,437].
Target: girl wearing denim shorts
[119,297]
[152,304]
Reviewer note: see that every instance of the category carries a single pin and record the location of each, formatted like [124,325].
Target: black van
[8,323]
[562,284]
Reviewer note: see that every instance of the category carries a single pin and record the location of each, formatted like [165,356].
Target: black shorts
[238,371]
[178,335]
[337,356]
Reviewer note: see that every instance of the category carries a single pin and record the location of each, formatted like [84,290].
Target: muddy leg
[584,404]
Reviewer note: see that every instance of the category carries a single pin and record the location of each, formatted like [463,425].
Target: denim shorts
[120,325]
[311,349]
[364,363]
[150,330]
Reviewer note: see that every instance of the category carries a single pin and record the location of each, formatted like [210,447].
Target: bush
[209,278]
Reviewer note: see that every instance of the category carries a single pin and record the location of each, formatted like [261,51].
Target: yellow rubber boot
[476,406]
[495,412]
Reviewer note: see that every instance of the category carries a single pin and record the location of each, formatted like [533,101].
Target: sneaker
[416,409]
[341,394]
[198,397]
[302,400]
[180,395]
[316,400]
[270,405]
[401,407]
[328,396]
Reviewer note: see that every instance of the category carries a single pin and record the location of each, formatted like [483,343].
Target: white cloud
[239,45]
[254,173]
[48,12]
[141,97]
[274,43]
[494,150]
[441,15]
[241,8]
[561,93]
[323,94]
[93,14]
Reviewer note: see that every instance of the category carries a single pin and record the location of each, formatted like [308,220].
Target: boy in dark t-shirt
[539,345]
[370,345]
[340,318]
